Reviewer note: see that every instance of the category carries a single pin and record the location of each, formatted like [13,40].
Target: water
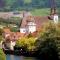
[14,57]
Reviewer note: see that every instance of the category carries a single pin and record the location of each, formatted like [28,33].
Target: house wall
[10,45]
[55,18]
[7,45]
[31,29]
[22,30]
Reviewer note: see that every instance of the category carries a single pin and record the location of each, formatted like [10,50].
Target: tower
[31,26]
[53,7]
[53,13]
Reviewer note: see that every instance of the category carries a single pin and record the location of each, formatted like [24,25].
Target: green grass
[40,12]
[27,1]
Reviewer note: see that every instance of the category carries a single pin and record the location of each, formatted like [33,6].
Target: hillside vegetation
[7,5]
[2,55]
[40,12]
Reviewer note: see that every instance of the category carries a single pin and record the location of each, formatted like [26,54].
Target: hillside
[7,5]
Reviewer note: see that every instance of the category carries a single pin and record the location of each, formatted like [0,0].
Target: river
[14,57]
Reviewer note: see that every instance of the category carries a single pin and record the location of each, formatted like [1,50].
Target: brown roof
[16,35]
[13,36]
[37,19]
[40,20]
[6,30]
[35,34]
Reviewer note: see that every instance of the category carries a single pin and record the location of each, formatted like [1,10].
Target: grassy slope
[27,1]
[40,12]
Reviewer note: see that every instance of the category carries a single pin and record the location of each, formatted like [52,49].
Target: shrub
[27,43]
[46,42]
[2,55]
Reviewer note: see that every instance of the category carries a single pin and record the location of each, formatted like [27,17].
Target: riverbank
[15,57]
[41,56]
[21,53]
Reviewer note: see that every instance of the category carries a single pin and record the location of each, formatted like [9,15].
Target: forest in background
[11,5]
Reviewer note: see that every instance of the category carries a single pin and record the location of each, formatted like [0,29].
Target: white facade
[55,18]
[31,27]
[10,45]
[23,30]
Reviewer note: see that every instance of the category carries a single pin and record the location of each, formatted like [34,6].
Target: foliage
[27,1]
[2,55]
[50,29]
[8,5]
[28,43]
[1,31]
[46,43]
[29,35]
[1,38]
[13,21]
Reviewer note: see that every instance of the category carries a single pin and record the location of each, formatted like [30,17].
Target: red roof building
[35,22]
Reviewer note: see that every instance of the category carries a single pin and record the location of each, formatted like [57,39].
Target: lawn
[27,1]
[40,12]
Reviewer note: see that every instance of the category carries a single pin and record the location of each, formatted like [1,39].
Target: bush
[27,43]
[2,55]
[46,43]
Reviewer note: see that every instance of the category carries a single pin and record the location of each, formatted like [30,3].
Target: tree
[46,43]
[27,43]
[1,31]
[1,38]
[2,55]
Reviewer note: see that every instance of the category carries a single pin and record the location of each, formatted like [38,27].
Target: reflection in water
[13,57]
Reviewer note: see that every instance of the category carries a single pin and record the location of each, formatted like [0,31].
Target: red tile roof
[6,30]
[16,35]
[35,34]
[13,36]
[37,19]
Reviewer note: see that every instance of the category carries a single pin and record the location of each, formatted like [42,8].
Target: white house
[31,26]
[23,30]
[55,18]
[10,45]
[28,26]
